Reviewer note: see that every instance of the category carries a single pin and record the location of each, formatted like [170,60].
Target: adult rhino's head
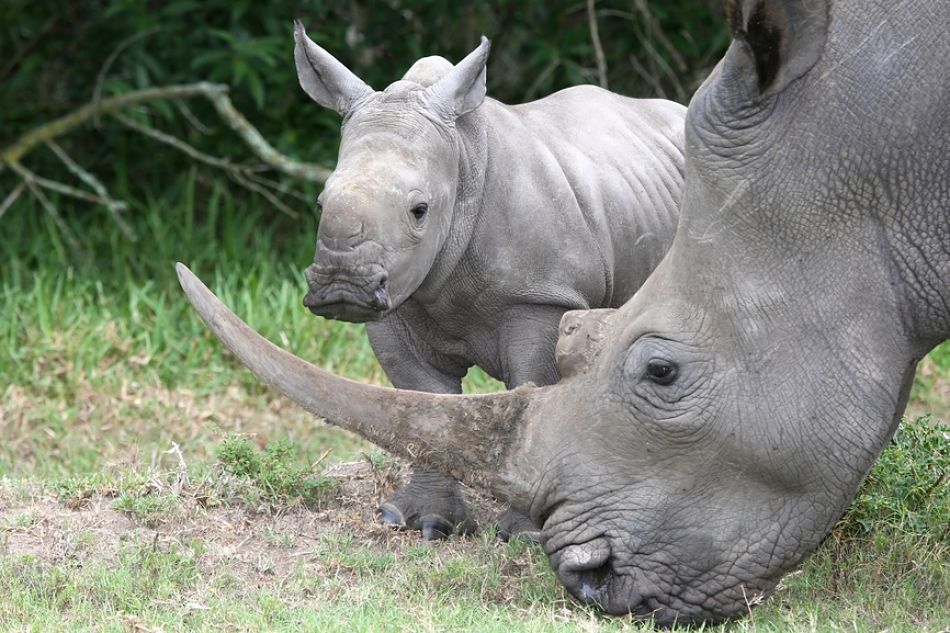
[387,208]
[707,434]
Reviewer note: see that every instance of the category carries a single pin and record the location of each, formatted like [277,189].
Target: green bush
[908,490]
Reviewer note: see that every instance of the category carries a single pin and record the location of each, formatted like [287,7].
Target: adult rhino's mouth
[652,587]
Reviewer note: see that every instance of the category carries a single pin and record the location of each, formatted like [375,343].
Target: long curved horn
[468,437]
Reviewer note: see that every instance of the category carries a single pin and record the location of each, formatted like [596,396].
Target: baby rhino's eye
[661,371]
[418,212]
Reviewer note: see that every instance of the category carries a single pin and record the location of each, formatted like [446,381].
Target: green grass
[235,566]
[105,369]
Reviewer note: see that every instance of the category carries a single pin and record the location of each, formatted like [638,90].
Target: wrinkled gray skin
[532,210]
[716,426]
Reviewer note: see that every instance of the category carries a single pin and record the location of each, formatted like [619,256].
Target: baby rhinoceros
[460,229]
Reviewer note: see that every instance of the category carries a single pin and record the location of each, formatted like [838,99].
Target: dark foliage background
[56,55]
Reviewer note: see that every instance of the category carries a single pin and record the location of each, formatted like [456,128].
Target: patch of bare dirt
[260,545]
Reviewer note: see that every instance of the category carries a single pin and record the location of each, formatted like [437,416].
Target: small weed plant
[276,470]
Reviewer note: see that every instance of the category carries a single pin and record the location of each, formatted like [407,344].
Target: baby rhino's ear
[323,77]
[785,37]
[462,89]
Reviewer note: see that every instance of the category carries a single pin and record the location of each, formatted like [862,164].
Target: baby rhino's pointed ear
[326,80]
[462,89]
[786,37]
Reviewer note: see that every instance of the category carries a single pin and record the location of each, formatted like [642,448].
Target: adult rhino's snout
[585,570]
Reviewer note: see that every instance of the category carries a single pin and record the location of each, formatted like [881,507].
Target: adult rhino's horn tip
[190,283]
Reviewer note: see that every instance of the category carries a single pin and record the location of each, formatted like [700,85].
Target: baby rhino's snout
[349,284]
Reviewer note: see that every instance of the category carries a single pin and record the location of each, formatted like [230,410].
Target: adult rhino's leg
[431,502]
[529,342]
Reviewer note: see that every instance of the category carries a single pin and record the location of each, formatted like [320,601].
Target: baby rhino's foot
[431,503]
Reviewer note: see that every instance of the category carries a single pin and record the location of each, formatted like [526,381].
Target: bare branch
[31,182]
[595,40]
[115,207]
[647,76]
[11,197]
[657,30]
[215,93]
[239,173]
[177,143]
[542,77]
[263,149]
[242,180]
[190,116]
[242,174]
[26,48]
[30,178]
[101,77]
[277,186]
[13,153]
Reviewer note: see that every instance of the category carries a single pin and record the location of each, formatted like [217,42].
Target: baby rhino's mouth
[338,295]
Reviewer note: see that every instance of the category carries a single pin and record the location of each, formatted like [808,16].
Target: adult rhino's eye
[661,371]
[419,211]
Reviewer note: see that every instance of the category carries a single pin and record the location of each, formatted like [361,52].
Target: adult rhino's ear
[462,89]
[326,80]
[784,37]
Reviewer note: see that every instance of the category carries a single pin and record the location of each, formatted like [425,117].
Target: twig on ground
[182,476]
[320,459]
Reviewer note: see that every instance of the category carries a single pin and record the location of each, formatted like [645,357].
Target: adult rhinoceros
[460,229]
[722,419]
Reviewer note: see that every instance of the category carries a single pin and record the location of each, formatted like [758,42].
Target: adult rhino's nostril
[585,570]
